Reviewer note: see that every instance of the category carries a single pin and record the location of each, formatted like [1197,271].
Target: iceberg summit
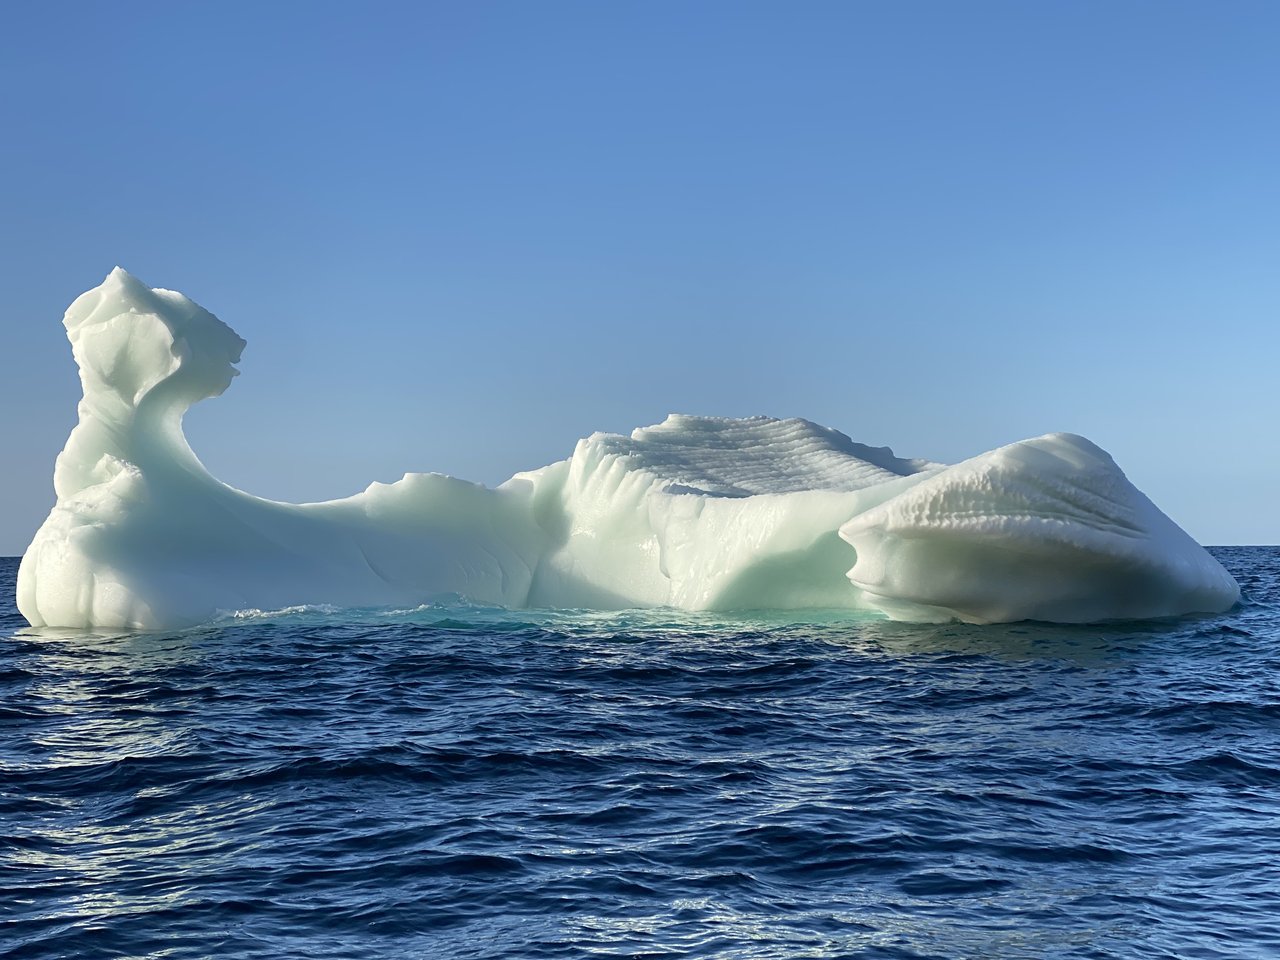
[698,513]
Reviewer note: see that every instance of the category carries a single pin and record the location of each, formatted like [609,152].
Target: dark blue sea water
[450,783]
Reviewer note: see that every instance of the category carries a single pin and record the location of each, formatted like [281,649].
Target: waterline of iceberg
[695,513]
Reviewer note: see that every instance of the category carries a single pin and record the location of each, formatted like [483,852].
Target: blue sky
[459,236]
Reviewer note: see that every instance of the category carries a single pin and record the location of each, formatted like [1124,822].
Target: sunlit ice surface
[694,513]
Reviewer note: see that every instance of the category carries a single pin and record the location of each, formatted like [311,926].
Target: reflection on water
[469,782]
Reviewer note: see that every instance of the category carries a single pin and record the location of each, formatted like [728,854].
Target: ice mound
[1044,529]
[696,512]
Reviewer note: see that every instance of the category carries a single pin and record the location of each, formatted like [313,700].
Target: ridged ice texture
[697,513]
[722,457]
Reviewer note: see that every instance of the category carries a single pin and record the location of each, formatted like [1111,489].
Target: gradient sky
[457,237]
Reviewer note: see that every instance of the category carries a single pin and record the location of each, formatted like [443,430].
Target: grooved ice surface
[695,512]
[720,457]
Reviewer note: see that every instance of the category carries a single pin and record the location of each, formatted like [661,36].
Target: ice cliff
[698,513]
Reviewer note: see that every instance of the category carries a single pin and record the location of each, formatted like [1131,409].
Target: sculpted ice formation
[1044,529]
[697,513]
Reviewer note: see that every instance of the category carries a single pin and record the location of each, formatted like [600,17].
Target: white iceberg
[697,513]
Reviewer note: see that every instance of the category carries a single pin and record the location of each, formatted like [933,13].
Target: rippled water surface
[469,783]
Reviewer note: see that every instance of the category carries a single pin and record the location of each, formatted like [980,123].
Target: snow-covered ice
[698,513]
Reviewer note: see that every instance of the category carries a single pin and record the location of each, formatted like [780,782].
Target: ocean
[467,782]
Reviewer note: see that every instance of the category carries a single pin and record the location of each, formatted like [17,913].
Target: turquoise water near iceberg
[472,783]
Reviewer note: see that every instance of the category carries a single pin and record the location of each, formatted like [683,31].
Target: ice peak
[124,284]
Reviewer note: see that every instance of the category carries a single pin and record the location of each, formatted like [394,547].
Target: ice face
[696,512]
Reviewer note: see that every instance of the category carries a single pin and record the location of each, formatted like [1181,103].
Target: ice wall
[696,513]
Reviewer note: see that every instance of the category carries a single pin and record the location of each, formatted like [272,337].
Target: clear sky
[459,236]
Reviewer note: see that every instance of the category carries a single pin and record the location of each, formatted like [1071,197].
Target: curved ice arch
[695,512]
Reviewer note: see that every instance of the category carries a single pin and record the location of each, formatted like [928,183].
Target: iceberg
[697,513]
